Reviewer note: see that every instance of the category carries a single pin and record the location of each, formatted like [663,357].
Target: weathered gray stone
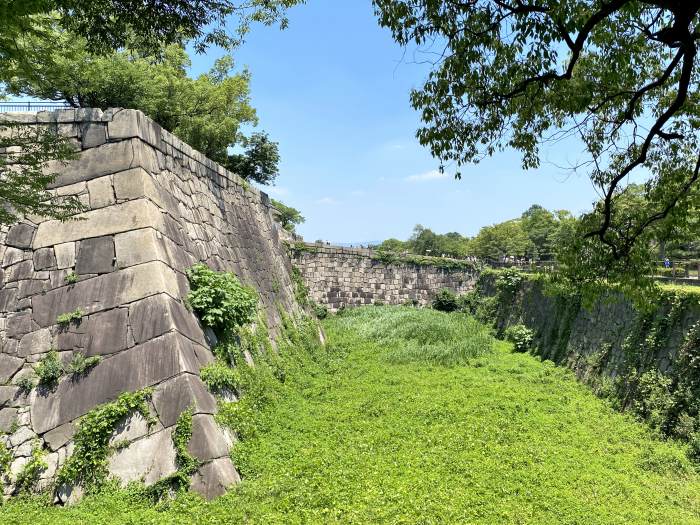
[13,256]
[99,334]
[96,256]
[19,325]
[65,255]
[44,259]
[19,272]
[95,162]
[106,292]
[9,366]
[94,135]
[36,342]
[150,458]
[214,478]
[208,441]
[160,314]
[20,236]
[101,192]
[8,416]
[127,371]
[131,428]
[21,435]
[122,217]
[58,437]
[180,393]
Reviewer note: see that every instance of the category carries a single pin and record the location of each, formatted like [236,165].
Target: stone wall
[339,277]
[154,208]
[610,338]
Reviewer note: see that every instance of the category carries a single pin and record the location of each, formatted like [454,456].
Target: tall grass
[427,336]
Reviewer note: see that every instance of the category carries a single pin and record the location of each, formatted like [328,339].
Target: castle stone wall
[154,207]
[338,277]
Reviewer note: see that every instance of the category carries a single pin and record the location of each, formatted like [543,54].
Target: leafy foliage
[352,438]
[446,301]
[67,318]
[24,173]
[219,298]
[87,466]
[5,460]
[80,364]
[289,217]
[27,478]
[259,162]
[521,337]
[619,75]
[49,369]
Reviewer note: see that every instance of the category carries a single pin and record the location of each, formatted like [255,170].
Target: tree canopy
[621,75]
[289,217]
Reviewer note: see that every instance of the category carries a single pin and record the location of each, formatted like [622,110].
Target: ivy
[28,477]
[87,466]
[186,463]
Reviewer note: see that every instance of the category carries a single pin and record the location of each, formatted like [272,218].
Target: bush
[521,337]
[80,364]
[49,369]
[321,311]
[219,299]
[446,301]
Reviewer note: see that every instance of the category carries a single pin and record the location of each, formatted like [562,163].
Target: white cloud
[427,176]
[327,200]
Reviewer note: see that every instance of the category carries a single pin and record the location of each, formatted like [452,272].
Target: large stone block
[103,333]
[96,162]
[159,314]
[180,393]
[9,366]
[208,441]
[139,367]
[149,459]
[214,478]
[96,255]
[106,292]
[20,236]
[8,418]
[119,218]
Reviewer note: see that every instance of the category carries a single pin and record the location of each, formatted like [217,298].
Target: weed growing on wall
[87,466]
[66,319]
[219,298]
[49,369]
[81,365]
[27,478]
[5,460]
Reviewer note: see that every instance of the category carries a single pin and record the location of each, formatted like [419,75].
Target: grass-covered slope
[380,433]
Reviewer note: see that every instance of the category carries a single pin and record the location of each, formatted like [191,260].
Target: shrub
[71,278]
[49,369]
[321,311]
[508,281]
[521,337]
[446,301]
[219,298]
[70,317]
[80,364]
[28,477]
[26,383]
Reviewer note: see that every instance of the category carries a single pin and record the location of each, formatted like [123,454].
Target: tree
[621,75]
[504,239]
[289,217]
[112,24]
[23,178]
[259,162]
[206,112]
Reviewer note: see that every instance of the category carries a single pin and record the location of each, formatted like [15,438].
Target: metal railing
[31,106]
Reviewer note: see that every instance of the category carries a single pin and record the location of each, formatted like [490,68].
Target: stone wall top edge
[142,127]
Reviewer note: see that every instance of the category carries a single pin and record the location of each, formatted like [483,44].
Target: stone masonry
[154,208]
[339,277]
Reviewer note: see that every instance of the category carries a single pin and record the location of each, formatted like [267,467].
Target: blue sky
[333,90]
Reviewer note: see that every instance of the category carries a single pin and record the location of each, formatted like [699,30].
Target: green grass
[369,435]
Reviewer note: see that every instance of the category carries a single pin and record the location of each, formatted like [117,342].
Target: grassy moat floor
[416,416]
